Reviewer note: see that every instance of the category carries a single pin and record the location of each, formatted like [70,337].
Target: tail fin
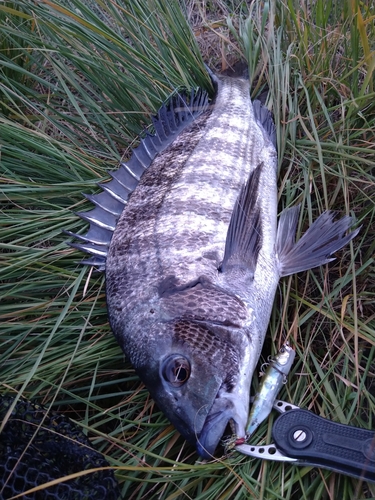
[316,247]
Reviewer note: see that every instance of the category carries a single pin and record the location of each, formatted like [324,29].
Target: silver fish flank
[194,255]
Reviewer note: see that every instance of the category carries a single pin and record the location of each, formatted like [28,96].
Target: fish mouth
[225,417]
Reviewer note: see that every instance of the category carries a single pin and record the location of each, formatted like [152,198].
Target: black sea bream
[195,256]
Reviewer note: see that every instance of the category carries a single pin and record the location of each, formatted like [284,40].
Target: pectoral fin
[316,247]
[244,238]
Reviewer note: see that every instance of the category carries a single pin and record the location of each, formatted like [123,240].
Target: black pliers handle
[303,438]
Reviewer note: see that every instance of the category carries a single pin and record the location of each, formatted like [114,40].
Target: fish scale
[194,259]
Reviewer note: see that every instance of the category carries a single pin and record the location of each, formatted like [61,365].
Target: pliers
[303,438]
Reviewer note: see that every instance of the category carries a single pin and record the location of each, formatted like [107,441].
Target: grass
[77,86]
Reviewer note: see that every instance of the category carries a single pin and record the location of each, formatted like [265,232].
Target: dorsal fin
[172,118]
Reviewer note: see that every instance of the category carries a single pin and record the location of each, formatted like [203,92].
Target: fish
[187,234]
[272,380]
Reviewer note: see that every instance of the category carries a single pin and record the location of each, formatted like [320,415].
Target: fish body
[171,293]
[193,256]
[271,383]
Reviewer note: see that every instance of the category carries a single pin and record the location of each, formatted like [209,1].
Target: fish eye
[176,370]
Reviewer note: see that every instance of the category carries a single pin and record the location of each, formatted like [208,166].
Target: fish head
[194,374]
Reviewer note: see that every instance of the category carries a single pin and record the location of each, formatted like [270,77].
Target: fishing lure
[274,377]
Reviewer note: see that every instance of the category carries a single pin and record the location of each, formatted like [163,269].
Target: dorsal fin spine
[149,145]
[90,217]
[110,205]
[145,162]
[115,189]
[126,177]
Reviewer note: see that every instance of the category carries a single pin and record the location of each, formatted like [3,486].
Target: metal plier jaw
[303,438]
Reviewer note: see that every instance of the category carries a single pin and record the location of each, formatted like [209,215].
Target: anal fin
[316,247]
[244,238]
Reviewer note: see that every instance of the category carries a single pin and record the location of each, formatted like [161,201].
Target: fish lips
[223,412]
